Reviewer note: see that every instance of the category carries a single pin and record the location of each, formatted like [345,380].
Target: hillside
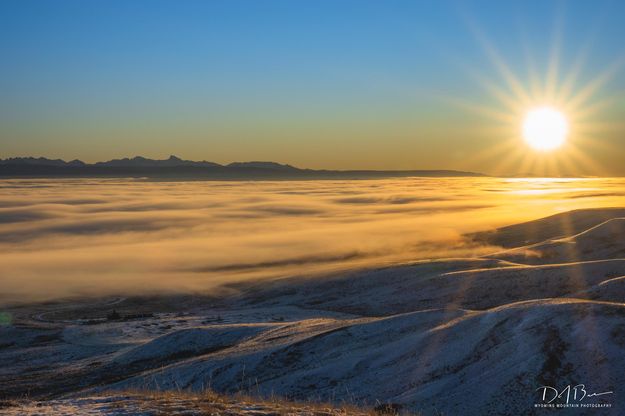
[462,336]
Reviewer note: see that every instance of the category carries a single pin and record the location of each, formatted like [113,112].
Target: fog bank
[99,237]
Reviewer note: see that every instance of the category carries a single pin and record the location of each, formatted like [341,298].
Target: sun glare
[554,111]
[545,128]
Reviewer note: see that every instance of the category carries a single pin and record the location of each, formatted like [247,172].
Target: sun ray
[567,112]
[592,87]
[515,85]
[530,63]
[510,101]
[585,162]
[526,163]
[567,86]
[491,112]
[554,59]
[592,110]
[507,158]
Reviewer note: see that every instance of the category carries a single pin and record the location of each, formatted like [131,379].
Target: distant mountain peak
[140,161]
[39,161]
[262,165]
[76,162]
[173,166]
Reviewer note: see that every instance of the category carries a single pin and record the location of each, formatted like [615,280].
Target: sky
[319,84]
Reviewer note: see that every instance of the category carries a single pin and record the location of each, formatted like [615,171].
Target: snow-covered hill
[461,336]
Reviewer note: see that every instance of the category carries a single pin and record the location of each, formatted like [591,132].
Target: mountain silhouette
[175,167]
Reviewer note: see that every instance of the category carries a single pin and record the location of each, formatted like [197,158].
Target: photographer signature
[575,393]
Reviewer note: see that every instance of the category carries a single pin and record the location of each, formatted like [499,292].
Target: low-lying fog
[71,237]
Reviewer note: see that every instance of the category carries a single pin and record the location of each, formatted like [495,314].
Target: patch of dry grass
[210,402]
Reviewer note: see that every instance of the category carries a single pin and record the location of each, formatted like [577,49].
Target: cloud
[101,237]
[395,199]
[297,261]
[8,216]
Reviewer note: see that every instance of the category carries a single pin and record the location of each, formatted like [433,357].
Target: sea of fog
[108,236]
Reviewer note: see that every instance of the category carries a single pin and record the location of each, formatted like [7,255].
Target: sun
[545,128]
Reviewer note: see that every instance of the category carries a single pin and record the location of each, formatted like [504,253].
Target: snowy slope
[461,336]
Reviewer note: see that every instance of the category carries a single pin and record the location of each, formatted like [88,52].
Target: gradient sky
[319,84]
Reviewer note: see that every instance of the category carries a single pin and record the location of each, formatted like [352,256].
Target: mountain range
[174,167]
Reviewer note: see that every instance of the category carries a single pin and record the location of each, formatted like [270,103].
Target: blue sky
[337,84]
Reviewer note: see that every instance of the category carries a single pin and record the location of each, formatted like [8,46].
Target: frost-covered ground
[177,404]
[471,336]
